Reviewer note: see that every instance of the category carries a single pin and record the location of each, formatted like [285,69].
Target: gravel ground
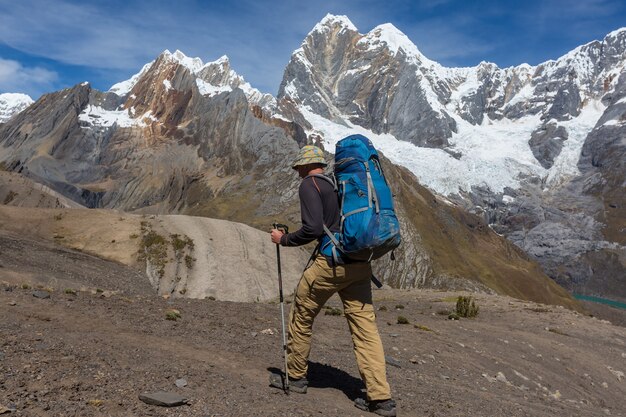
[92,355]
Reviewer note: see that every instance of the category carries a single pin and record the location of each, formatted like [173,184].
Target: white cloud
[16,78]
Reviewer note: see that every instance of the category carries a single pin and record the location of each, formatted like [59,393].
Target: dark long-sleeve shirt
[319,206]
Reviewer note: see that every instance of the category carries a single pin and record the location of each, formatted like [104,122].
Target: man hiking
[325,276]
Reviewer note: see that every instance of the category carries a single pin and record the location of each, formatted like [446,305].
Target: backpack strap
[331,235]
[329,180]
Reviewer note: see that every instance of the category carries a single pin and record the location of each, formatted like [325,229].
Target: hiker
[324,276]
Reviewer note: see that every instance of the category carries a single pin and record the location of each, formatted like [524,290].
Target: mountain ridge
[165,115]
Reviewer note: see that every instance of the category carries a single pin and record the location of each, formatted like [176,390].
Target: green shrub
[399,307]
[453,316]
[25,286]
[382,308]
[403,320]
[189,261]
[332,312]
[177,243]
[70,291]
[172,315]
[424,328]
[154,250]
[466,307]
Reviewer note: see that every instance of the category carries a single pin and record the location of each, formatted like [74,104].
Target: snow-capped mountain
[456,117]
[211,78]
[511,144]
[537,151]
[164,142]
[13,103]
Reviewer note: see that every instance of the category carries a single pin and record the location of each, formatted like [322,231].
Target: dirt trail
[87,355]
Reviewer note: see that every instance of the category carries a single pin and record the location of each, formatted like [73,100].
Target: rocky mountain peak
[331,22]
[193,64]
[390,37]
[13,103]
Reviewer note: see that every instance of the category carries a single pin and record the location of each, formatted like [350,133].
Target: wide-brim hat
[309,154]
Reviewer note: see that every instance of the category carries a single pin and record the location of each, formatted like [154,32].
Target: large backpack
[369,227]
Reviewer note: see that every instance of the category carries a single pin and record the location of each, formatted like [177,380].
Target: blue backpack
[369,227]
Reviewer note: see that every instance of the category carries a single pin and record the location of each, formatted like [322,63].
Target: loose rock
[181,382]
[393,362]
[41,294]
[163,399]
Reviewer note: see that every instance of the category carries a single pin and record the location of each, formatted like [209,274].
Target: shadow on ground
[326,376]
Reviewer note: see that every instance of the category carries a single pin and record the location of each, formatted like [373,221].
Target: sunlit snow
[494,154]
[13,103]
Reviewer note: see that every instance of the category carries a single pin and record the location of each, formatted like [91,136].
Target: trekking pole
[284,229]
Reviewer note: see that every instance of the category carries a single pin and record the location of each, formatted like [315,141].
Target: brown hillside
[461,245]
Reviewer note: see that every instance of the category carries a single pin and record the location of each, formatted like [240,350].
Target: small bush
[189,261]
[399,307]
[332,312]
[152,238]
[177,243]
[99,290]
[70,291]
[453,316]
[58,217]
[25,286]
[133,236]
[382,308]
[466,307]
[443,312]
[424,328]
[172,315]
[403,320]
[210,297]
[154,250]
[95,403]
[189,243]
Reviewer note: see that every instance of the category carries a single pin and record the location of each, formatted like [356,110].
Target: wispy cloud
[117,37]
[16,78]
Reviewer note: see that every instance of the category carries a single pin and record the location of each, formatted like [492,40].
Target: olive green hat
[309,154]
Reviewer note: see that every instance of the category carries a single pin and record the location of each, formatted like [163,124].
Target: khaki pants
[318,283]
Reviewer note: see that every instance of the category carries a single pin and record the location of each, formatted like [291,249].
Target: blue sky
[47,45]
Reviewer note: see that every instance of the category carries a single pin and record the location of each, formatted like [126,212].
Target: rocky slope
[537,151]
[175,255]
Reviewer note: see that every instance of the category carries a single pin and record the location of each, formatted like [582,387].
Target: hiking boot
[295,385]
[385,408]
